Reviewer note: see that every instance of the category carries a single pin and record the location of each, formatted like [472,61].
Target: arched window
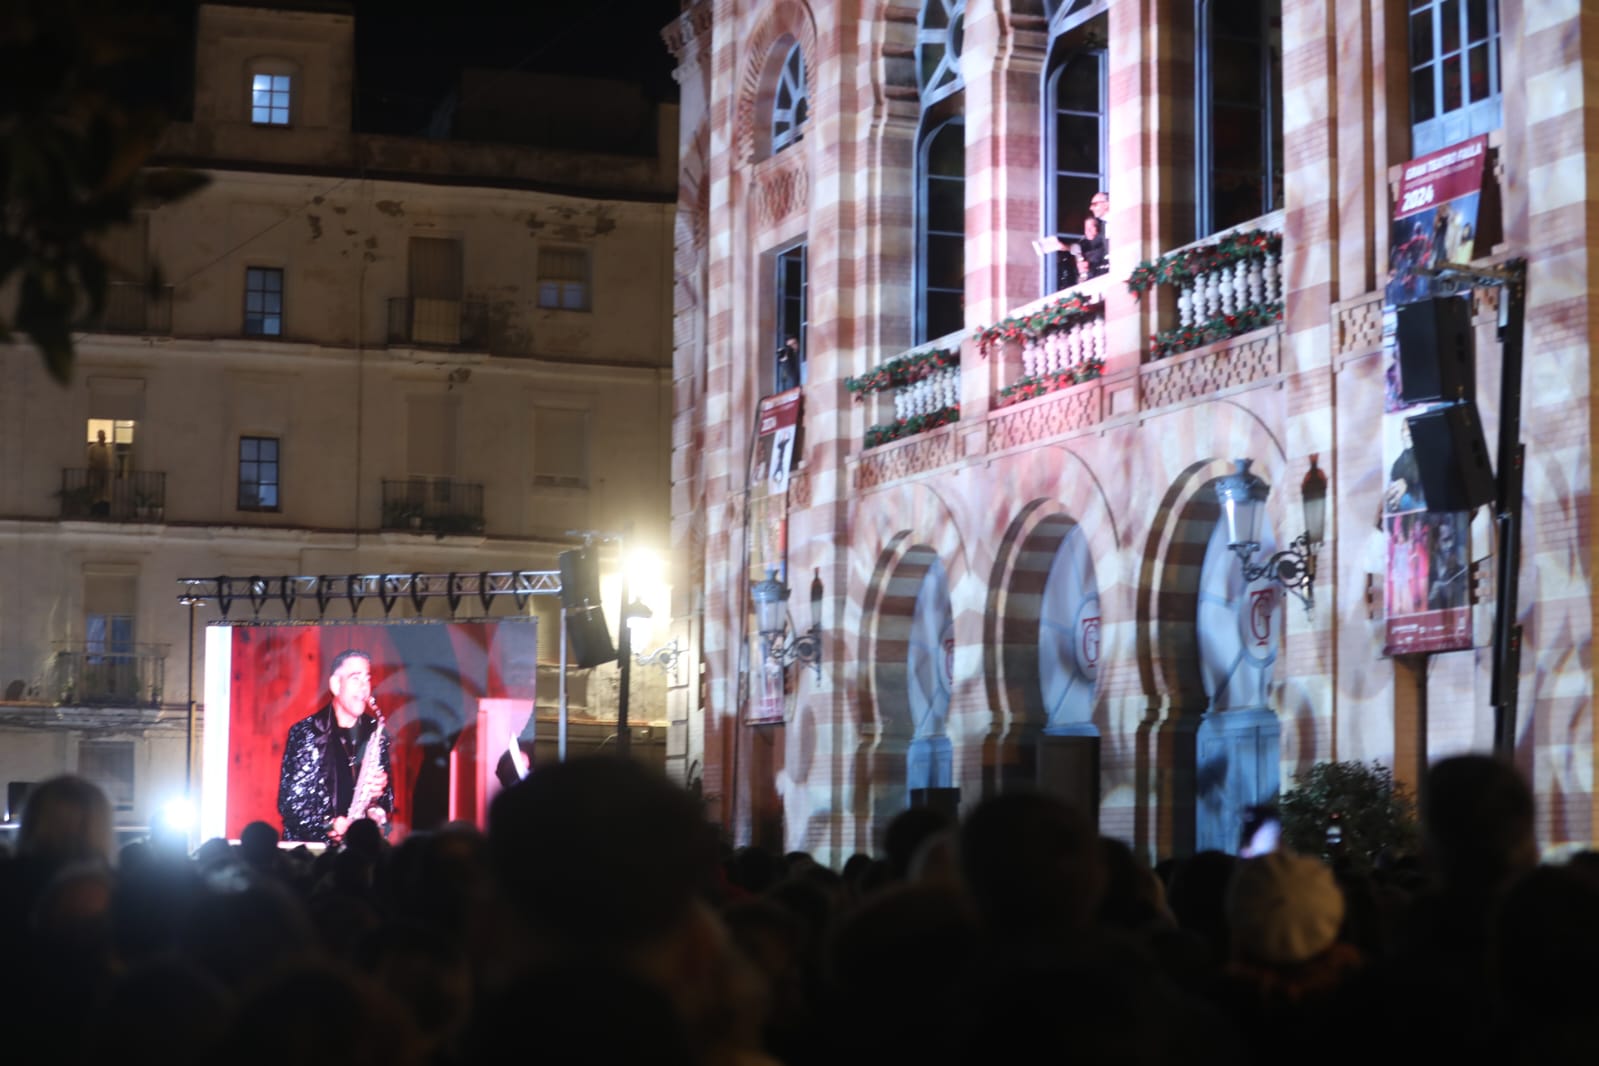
[790,106]
[1454,71]
[940,172]
[1076,138]
[939,35]
[941,252]
[1238,64]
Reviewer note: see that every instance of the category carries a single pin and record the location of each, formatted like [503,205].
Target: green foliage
[75,137]
[1371,811]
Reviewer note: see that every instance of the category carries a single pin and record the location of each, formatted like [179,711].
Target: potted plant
[402,514]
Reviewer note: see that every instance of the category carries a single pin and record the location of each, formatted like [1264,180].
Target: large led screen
[292,712]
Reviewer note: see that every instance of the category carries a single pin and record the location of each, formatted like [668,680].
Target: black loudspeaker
[1436,355]
[590,640]
[1452,457]
[580,579]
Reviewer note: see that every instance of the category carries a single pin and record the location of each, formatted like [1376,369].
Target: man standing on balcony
[323,759]
[99,478]
[1096,240]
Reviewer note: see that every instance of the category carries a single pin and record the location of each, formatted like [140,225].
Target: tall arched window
[942,211]
[1076,138]
[790,106]
[940,172]
[1454,71]
[1238,63]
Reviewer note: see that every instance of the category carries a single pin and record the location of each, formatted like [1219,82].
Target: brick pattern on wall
[1123,469]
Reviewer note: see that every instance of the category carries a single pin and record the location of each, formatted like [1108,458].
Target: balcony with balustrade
[91,495]
[1217,307]
[433,505]
[431,323]
[89,674]
[134,307]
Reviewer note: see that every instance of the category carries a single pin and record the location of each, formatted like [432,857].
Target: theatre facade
[991,539]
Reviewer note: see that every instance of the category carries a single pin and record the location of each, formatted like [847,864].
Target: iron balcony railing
[132,307]
[86,673]
[108,496]
[433,505]
[436,323]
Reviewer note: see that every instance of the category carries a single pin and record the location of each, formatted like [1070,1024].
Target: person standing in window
[100,475]
[788,365]
[1096,240]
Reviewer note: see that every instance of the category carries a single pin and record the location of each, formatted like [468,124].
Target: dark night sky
[407,59]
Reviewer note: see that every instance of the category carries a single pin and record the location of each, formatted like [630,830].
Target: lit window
[564,279]
[790,105]
[263,302]
[258,473]
[269,99]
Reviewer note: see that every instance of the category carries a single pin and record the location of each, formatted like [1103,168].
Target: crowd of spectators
[600,920]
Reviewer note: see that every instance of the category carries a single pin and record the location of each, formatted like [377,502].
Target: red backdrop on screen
[426,677]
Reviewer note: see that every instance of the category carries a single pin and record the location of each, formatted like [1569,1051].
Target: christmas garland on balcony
[1061,314]
[1183,266]
[1034,385]
[908,369]
[909,427]
[1187,338]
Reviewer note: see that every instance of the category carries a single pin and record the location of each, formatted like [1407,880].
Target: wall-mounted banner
[777,425]
[1428,553]
[1435,217]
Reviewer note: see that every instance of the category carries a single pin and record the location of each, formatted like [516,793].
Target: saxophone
[369,781]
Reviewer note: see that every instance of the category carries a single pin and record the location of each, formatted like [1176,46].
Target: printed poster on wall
[1428,553]
[776,433]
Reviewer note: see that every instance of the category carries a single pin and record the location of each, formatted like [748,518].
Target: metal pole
[188,749]
[560,728]
[1511,456]
[624,655]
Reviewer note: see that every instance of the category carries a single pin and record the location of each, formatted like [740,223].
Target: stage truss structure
[321,591]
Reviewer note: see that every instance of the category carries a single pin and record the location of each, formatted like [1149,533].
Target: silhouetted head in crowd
[317,1012]
[1134,898]
[168,1011]
[907,832]
[1198,897]
[1283,909]
[66,819]
[1033,866]
[599,855]
[1477,821]
[258,846]
[1548,962]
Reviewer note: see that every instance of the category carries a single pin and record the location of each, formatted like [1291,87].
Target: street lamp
[1242,496]
[772,622]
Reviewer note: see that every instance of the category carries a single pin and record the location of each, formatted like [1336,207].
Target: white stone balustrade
[1072,345]
[1234,287]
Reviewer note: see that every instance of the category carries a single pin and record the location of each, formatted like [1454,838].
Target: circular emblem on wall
[1086,633]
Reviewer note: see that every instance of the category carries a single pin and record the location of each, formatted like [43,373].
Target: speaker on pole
[585,617]
[580,579]
[1437,359]
[1452,457]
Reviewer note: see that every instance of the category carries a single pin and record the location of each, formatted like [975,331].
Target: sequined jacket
[307,780]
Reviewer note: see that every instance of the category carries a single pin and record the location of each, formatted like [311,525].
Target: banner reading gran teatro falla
[1428,562]
[776,431]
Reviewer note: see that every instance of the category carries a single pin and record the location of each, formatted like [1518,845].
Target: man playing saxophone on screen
[336,761]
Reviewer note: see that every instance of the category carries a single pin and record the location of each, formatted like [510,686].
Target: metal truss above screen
[319,591]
